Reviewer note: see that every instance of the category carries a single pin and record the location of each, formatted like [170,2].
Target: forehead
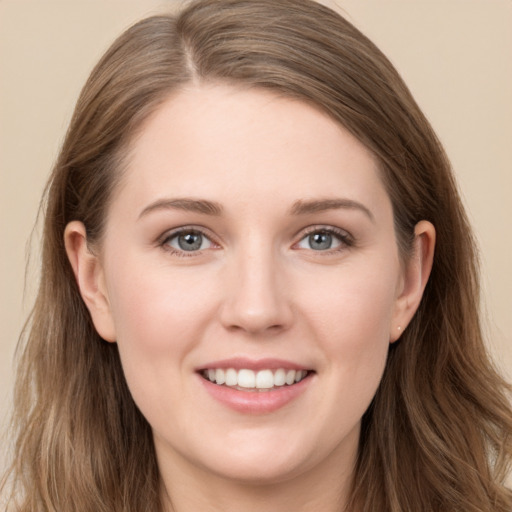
[222,141]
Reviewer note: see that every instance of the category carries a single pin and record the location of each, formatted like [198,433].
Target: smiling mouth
[250,380]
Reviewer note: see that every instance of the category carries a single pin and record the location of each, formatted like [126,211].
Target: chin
[259,472]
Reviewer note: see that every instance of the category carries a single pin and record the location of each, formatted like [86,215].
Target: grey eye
[189,241]
[320,241]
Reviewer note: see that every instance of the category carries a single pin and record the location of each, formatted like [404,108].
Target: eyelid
[163,240]
[346,239]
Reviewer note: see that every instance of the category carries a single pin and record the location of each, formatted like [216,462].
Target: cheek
[356,305]
[159,321]
[352,319]
[155,308]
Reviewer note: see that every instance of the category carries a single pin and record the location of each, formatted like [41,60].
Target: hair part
[437,435]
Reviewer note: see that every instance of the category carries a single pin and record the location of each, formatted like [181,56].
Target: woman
[259,286]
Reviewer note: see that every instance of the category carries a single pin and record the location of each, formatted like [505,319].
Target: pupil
[320,241]
[190,241]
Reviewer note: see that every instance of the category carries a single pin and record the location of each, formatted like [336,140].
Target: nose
[256,300]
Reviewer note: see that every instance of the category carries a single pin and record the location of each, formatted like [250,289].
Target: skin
[256,288]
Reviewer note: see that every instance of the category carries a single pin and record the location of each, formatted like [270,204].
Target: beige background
[456,56]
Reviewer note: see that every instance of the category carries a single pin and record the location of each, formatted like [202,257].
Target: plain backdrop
[455,55]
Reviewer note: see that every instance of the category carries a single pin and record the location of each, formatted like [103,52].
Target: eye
[188,241]
[324,240]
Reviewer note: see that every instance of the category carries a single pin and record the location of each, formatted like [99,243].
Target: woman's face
[251,240]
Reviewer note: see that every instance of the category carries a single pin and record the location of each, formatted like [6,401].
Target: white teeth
[264,379]
[231,377]
[220,376]
[249,379]
[246,379]
[290,377]
[279,377]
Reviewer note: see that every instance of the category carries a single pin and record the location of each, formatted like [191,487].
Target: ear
[89,276]
[415,277]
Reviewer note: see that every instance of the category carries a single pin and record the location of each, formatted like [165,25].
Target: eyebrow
[302,207]
[190,205]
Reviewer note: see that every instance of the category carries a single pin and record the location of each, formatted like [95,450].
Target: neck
[191,489]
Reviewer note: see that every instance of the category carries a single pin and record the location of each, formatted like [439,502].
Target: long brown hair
[437,436]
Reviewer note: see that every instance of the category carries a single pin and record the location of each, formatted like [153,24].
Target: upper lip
[239,363]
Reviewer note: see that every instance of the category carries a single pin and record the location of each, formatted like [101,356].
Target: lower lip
[256,402]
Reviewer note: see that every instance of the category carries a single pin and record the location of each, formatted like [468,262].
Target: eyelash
[346,240]
[343,236]
[164,241]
